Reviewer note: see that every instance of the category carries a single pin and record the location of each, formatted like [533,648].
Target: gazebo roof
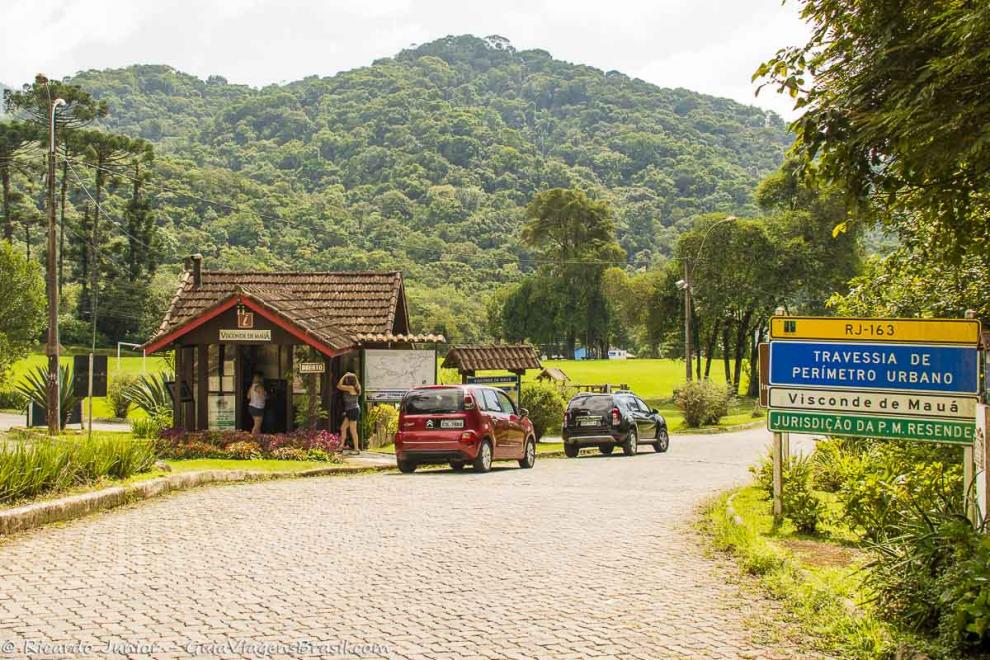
[492,357]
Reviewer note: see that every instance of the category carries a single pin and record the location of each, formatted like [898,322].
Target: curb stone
[30,516]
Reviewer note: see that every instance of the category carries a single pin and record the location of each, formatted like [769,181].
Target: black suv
[606,420]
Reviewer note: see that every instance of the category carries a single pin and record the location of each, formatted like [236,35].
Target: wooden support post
[785,447]
[778,477]
[89,394]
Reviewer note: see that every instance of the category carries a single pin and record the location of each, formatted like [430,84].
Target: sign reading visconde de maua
[914,379]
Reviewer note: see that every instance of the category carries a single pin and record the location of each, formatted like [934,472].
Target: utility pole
[54,408]
[687,323]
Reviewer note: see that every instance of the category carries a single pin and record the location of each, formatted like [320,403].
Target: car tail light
[567,417]
[616,417]
[468,402]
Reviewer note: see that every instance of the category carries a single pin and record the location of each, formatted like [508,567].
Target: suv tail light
[567,416]
[468,402]
[616,417]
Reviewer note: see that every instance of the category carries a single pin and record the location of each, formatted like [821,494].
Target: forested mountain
[424,162]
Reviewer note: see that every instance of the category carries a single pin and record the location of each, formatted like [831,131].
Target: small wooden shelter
[299,331]
[553,375]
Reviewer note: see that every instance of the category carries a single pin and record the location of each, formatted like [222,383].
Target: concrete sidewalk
[11,420]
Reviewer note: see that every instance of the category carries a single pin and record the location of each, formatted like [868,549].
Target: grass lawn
[130,365]
[817,577]
[261,464]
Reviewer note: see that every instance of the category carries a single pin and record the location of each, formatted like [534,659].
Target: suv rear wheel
[663,441]
[606,449]
[484,461]
[571,450]
[529,455]
[405,467]
[631,445]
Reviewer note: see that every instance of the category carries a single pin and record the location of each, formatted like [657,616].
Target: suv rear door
[589,414]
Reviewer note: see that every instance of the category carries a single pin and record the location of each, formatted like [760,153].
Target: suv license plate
[588,421]
[451,423]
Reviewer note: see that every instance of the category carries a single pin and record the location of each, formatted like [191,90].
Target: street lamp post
[54,407]
[685,285]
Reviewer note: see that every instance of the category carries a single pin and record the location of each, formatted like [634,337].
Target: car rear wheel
[484,461]
[529,455]
[457,466]
[632,443]
[405,467]
[571,450]
[606,449]
[663,441]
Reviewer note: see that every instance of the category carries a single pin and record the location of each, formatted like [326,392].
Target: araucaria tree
[563,301]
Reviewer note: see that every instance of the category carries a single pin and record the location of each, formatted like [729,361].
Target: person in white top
[257,396]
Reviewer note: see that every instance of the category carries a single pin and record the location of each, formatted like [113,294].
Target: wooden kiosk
[299,331]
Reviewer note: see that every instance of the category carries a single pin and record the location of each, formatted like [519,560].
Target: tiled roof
[493,357]
[384,338]
[334,307]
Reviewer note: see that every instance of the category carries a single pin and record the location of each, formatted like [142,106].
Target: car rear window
[597,405]
[430,402]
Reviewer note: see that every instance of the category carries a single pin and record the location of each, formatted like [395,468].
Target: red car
[461,424]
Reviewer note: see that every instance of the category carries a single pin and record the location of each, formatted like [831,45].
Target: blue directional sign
[890,367]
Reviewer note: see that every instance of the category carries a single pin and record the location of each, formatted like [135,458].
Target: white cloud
[710,46]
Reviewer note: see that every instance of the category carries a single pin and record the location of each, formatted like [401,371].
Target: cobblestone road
[575,558]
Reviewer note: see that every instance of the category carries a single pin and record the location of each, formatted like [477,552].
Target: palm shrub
[702,402]
[35,388]
[151,394]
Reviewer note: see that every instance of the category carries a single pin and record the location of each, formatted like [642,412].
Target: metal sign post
[778,477]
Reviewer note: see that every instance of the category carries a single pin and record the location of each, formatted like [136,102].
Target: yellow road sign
[919,331]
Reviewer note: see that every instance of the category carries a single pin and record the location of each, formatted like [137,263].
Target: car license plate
[451,423]
[588,421]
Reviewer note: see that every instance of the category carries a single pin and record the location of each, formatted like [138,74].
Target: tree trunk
[741,346]
[710,348]
[753,390]
[8,223]
[727,350]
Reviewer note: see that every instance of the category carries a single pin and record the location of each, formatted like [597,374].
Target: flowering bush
[290,454]
[243,450]
[322,456]
[197,450]
[179,443]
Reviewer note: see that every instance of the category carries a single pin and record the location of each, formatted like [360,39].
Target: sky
[709,46]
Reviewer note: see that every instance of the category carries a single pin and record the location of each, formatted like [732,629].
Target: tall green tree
[574,236]
[22,314]
[15,138]
[80,109]
[893,95]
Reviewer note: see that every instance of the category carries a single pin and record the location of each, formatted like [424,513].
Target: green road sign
[896,428]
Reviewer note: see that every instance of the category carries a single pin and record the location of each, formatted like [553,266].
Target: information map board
[915,379]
